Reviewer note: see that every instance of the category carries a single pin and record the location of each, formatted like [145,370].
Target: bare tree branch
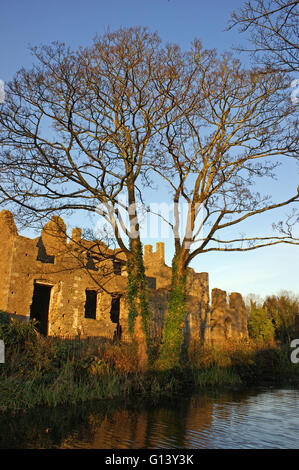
[273,31]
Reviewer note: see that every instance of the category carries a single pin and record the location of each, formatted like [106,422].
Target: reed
[53,371]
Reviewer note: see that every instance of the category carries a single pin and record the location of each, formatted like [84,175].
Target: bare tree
[212,158]
[273,30]
[83,130]
[77,131]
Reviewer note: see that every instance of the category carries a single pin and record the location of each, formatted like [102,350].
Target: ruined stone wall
[8,234]
[155,267]
[197,322]
[61,267]
[67,268]
[228,320]
[197,311]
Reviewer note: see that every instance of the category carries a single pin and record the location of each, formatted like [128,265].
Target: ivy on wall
[138,293]
[175,321]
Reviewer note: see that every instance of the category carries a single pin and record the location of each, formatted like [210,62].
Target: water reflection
[251,419]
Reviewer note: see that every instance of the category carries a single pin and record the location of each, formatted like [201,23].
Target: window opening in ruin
[115,307]
[114,315]
[42,253]
[90,263]
[91,304]
[40,307]
[117,268]
[151,282]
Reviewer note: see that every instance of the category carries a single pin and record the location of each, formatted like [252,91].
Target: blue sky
[35,22]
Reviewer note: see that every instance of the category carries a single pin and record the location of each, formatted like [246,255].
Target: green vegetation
[137,292]
[174,325]
[45,371]
[274,318]
[246,363]
[53,371]
[282,310]
[260,325]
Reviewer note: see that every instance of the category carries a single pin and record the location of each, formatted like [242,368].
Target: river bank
[45,371]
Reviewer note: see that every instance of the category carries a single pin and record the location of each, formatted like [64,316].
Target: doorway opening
[40,307]
[114,316]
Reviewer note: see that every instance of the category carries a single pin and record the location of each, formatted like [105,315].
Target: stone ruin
[73,286]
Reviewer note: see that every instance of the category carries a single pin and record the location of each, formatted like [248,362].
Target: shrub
[16,333]
[282,310]
[260,325]
[120,357]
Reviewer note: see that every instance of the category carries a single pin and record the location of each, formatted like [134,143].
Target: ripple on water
[259,419]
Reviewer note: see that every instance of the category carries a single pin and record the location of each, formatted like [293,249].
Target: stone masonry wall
[68,266]
[66,276]
[227,319]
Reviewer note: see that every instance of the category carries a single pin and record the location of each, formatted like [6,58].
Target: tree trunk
[173,333]
[138,304]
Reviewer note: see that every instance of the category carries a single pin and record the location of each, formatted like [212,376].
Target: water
[259,419]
